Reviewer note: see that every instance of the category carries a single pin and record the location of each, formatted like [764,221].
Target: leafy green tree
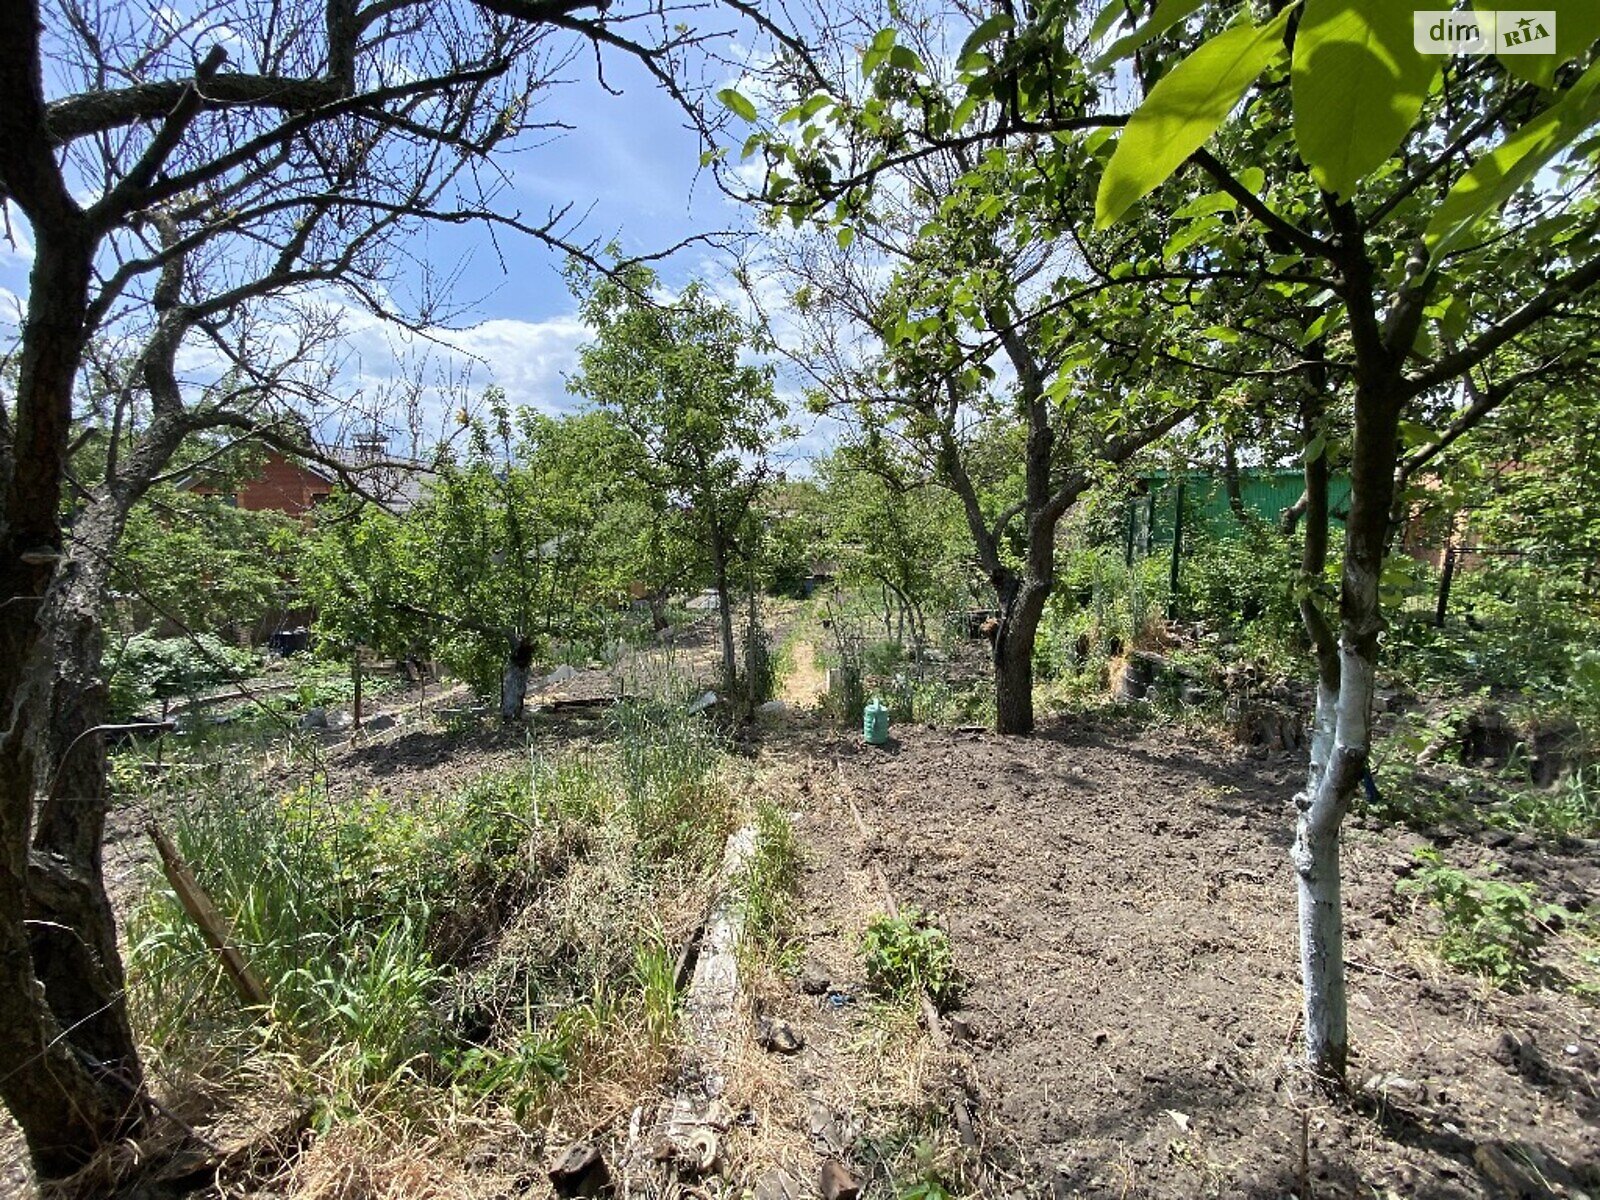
[894,527]
[511,548]
[202,562]
[676,375]
[987,371]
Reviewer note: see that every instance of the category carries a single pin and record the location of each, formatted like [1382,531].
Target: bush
[1511,628]
[147,668]
[1242,587]
[907,954]
[1492,927]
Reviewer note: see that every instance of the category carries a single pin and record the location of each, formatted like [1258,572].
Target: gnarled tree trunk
[1022,606]
[69,1068]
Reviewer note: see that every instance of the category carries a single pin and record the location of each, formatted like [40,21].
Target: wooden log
[213,926]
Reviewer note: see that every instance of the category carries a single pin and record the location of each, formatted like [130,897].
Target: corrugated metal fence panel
[1205,501]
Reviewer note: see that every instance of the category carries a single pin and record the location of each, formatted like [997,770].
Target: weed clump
[483,946]
[767,884]
[1492,927]
[909,953]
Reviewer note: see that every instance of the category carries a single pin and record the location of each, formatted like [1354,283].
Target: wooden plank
[213,926]
[930,1012]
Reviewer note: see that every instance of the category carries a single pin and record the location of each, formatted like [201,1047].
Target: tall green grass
[492,941]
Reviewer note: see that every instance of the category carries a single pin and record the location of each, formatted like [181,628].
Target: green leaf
[1167,14]
[1577,27]
[985,33]
[1252,179]
[1204,206]
[1497,175]
[882,43]
[1110,15]
[1358,86]
[1189,235]
[737,103]
[903,58]
[1182,111]
[845,236]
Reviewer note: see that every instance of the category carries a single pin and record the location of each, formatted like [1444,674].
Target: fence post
[1444,585]
[1177,552]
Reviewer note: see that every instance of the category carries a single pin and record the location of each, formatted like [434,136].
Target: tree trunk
[1021,607]
[730,660]
[514,680]
[1341,741]
[69,1068]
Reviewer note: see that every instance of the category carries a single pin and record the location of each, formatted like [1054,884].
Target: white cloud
[528,359]
[16,246]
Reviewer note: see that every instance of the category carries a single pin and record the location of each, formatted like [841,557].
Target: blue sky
[629,163]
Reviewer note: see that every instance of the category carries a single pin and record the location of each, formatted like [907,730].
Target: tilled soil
[1122,906]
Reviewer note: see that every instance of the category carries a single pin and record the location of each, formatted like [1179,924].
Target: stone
[814,979]
[780,1037]
[1398,1087]
[778,1184]
[381,722]
[581,1171]
[314,718]
[831,1132]
[836,1183]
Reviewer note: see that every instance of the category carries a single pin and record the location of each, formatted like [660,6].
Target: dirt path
[805,683]
[1122,904]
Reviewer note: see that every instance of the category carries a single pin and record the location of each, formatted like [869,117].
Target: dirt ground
[1121,904]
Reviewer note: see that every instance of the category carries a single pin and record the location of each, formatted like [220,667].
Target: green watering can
[875,723]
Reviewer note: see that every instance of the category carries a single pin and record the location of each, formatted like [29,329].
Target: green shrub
[1529,633]
[1241,585]
[908,953]
[1492,927]
[147,668]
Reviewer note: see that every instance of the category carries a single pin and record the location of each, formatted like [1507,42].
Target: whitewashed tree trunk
[1315,855]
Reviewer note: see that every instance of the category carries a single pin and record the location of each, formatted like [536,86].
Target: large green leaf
[1167,14]
[985,33]
[1182,111]
[1110,15]
[738,103]
[1359,84]
[1496,176]
[1577,27]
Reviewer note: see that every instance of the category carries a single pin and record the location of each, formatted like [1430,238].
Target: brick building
[282,485]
